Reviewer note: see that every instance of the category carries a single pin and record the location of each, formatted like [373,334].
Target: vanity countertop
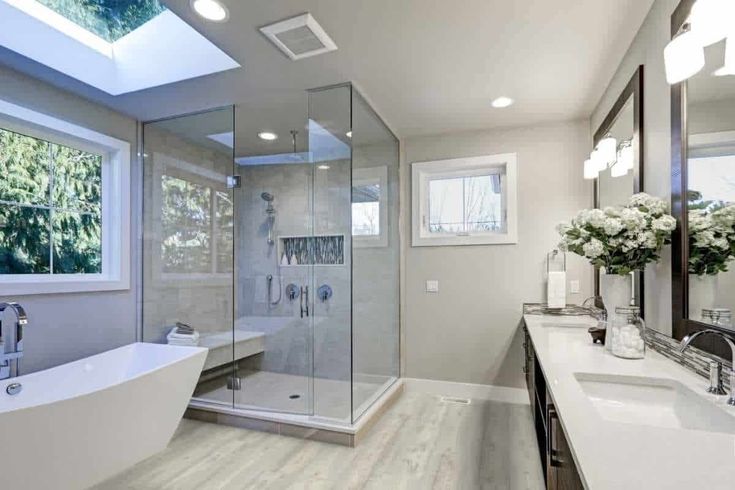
[615,455]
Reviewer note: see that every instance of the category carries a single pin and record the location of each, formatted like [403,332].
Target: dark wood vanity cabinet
[557,462]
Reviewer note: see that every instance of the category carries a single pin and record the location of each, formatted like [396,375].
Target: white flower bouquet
[711,240]
[623,238]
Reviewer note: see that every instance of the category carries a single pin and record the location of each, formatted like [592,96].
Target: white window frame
[115,204]
[423,172]
[197,175]
[366,177]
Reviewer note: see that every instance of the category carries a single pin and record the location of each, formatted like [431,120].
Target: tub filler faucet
[9,361]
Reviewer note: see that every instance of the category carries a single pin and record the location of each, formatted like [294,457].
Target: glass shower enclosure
[280,256]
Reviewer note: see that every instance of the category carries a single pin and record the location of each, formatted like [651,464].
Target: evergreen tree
[50,205]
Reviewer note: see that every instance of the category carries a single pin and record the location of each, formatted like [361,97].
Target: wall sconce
[709,22]
[601,157]
[684,57]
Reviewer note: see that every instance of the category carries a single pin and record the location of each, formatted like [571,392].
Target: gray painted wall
[647,49]
[468,332]
[66,327]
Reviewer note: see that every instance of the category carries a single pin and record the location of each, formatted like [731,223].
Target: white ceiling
[427,66]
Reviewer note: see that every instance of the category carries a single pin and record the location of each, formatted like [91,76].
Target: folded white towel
[176,338]
[556,292]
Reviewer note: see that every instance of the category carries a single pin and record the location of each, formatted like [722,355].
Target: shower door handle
[304,300]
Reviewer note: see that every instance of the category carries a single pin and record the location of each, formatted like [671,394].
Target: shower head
[267,197]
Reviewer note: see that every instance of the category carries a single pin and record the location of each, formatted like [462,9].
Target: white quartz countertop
[614,455]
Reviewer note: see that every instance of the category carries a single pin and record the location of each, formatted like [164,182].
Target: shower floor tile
[268,391]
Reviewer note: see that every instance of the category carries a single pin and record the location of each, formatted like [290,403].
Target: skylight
[117,46]
[108,19]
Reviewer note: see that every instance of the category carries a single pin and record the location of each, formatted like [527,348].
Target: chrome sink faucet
[715,368]
[10,361]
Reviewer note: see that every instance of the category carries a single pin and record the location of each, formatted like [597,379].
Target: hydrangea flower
[623,238]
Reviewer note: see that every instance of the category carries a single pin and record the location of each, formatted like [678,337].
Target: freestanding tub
[75,425]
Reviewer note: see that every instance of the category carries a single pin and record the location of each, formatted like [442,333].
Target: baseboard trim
[502,394]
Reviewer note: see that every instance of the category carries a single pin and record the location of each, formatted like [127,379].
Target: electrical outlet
[432,286]
[574,286]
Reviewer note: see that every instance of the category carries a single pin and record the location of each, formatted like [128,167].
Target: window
[465,201]
[64,206]
[370,207]
[195,210]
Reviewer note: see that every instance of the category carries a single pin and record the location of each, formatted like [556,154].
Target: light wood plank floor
[420,443]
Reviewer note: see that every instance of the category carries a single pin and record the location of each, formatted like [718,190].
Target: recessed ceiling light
[348,134]
[267,135]
[211,10]
[501,102]
[323,167]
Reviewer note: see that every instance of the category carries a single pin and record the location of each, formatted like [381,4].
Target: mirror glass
[614,189]
[615,185]
[710,109]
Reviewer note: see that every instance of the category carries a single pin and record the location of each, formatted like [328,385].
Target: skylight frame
[164,50]
[64,25]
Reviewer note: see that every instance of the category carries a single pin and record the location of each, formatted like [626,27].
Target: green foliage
[49,205]
[109,19]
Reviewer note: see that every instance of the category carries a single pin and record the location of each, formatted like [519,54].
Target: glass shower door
[274,274]
[187,241]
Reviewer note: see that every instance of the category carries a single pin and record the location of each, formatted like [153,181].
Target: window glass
[50,207]
[366,210]
[197,227]
[465,204]
[224,232]
[108,19]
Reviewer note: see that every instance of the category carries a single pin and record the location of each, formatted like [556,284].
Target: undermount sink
[653,402]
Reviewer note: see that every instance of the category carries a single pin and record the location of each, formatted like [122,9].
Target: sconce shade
[608,147]
[729,67]
[590,171]
[684,57]
[598,162]
[711,20]
[618,170]
[626,157]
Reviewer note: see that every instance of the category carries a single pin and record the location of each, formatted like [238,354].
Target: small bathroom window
[64,206]
[370,207]
[465,201]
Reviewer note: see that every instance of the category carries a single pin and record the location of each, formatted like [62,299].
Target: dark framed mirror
[703,196]
[624,122]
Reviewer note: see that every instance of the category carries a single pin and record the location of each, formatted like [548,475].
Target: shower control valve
[292,291]
[324,292]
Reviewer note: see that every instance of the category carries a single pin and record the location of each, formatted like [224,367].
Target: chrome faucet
[10,361]
[595,307]
[715,368]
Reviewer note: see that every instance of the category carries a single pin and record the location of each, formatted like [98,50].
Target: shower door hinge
[233,181]
[234,383]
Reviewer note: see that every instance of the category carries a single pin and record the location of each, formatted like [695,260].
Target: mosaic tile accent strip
[693,359]
[314,250]
[543,309]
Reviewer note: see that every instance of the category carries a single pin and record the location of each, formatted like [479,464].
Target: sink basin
[654,402]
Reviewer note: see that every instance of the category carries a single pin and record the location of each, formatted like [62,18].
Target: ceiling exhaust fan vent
[299,37]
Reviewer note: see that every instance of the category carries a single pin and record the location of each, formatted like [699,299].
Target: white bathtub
[75,425]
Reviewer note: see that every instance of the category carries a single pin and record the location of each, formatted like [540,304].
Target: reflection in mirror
[616,183]
[711,191]
[615,188]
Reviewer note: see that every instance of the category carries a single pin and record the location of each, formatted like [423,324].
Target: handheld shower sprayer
[270,212]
